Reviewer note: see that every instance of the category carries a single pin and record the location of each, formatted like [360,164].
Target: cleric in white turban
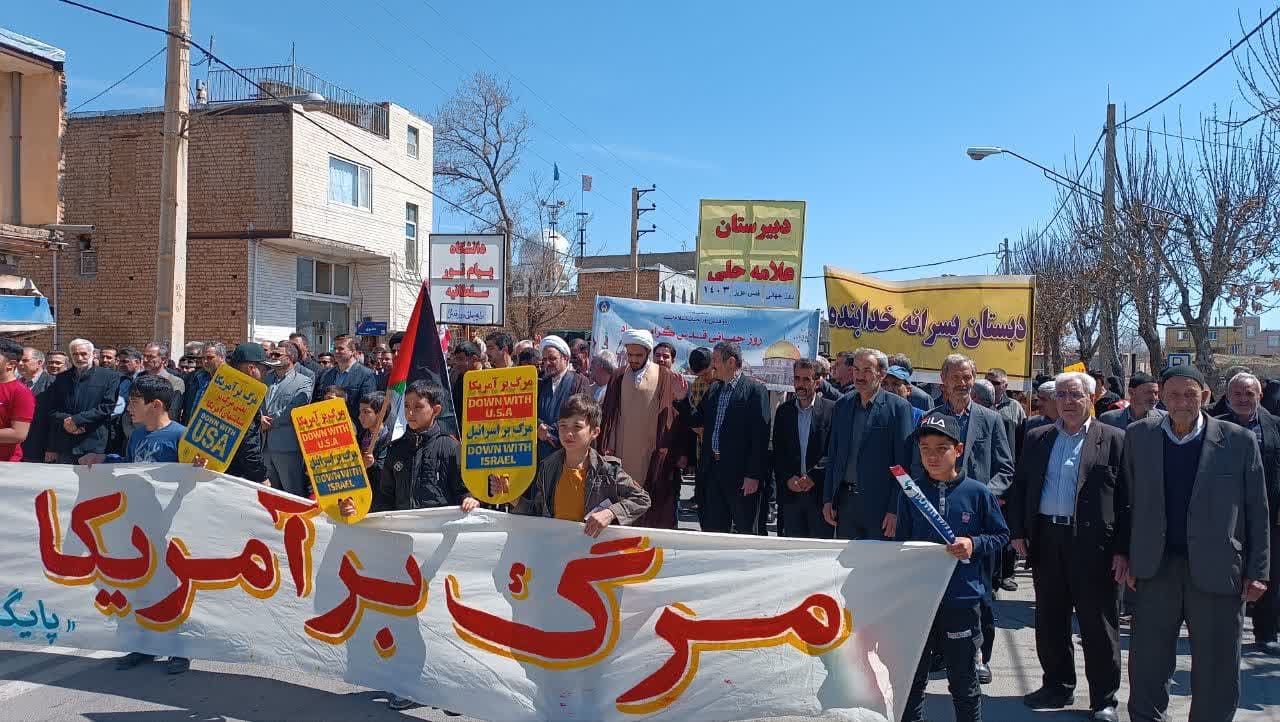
[637,337]
[557,383]
[556,343]
[639,418]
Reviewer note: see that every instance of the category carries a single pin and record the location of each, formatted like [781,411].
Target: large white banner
[500,617]
[770,340]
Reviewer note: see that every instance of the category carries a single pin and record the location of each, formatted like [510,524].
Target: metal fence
[284,80]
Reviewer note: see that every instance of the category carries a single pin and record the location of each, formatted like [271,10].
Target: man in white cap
[642,427]
[557,384]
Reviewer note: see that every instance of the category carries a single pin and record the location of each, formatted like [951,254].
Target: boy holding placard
[575,483]
[422,469]
[155,436]
[970,509]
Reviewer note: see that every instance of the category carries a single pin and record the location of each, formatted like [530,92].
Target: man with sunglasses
[288,388]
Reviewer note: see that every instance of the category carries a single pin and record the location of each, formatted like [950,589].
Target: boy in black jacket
[972,513]
[422,469]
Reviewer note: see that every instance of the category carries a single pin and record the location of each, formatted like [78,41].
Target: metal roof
[32,47]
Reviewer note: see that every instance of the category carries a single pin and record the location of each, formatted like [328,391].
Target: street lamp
[978,152]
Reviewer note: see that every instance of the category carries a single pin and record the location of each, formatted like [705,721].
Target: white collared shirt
[1167,424]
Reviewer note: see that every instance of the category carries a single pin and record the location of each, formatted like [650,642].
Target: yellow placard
[222,418]
[333,459]
[987,318]
[1077,366]
[499,430]
[750,253]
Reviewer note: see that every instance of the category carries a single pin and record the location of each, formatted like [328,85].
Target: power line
[111,87]
[1202,141]
[1206,69]
[445,93]
[559,112]
[1067,197]
[920,265]
[277,99]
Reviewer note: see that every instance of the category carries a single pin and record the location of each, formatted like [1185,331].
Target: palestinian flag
[421,356]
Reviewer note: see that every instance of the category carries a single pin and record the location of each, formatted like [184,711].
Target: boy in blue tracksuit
[974,516]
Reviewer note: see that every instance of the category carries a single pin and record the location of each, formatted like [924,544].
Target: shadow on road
[206,695]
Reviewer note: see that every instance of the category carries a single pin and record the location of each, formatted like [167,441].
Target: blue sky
[863,110]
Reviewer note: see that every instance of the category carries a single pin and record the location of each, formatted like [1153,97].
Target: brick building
[290,228]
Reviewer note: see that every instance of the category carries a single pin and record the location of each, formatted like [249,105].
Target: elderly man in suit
[988,457]
[734,459]
[1069,516]
[81,402]
[1244,397]
[1198,548]
[557,384]
[869,432]
[1144,392]
[288,388]
[801,428]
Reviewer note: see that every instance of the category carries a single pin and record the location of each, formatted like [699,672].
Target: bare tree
[1054,261]
[480,136]
[1223,246]
[1258,64]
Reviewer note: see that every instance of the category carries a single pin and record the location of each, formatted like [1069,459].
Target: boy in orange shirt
[576,483]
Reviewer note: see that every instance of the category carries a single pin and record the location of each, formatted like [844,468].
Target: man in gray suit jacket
[1198,548]
[289,389]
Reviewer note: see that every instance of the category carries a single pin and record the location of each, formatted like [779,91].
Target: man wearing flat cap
[1197,551]
[557,384]
[642,427]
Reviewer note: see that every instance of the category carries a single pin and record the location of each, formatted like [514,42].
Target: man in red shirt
[17,403]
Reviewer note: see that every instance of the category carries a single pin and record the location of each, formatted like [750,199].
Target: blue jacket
[360,382]
[971,510]
[884,445]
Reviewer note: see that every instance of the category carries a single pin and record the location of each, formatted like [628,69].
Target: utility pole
[1110,335]
[582,234]
[171,269]
[637,231]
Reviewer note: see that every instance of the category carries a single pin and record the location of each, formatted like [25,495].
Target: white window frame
[412,257]
[412,141]
[363,172]
[1182,335]
[1213,334]
[313,294]
[1250,331]
[1235,349]
[1273,341]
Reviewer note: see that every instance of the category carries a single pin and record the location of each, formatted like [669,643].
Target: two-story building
[1245,337]
[309,217]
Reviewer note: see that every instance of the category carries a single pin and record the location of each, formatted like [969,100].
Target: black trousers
[725,509]
[1266,611]
[802,517]
[849,521]
[957,636]
[1071,578]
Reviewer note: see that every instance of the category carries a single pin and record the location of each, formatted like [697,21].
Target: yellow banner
[224,415]
[987,318]
[1078,367]
[750,253]
[334,461]
[499,430]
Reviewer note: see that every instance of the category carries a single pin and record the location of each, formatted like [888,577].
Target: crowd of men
[1145,494]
